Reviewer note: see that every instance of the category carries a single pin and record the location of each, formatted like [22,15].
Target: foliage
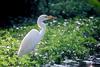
[61,8]
[65,8]
[63,38]
[96,4]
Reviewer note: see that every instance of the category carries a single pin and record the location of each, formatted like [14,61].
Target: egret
[33,37]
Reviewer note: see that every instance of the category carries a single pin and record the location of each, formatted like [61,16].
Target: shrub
[66,8]
[70,38]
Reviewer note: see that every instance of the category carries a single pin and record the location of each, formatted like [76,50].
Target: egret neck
[42,27]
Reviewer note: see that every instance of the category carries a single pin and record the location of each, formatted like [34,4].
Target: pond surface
[92,61]
[73,65]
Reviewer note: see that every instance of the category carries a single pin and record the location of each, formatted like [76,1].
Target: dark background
[33,8]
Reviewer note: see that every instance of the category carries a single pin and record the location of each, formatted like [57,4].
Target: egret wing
[29,42]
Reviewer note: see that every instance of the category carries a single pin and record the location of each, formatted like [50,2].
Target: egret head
[45,17]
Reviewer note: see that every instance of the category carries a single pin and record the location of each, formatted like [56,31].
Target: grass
[63,38]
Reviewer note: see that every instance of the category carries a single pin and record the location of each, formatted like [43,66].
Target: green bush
[96,5]
[65,8]
[62,39]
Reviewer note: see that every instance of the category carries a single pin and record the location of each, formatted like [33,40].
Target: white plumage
[33,37]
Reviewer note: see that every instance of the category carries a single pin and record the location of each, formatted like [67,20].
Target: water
[72,63]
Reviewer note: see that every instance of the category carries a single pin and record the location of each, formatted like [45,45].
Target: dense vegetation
[74,35]
[60,8]
[71,38]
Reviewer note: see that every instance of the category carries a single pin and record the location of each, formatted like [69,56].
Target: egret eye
[46,16]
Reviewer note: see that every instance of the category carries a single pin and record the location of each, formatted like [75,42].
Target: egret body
[33,37]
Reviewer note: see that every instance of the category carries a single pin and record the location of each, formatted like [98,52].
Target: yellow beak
[51,17]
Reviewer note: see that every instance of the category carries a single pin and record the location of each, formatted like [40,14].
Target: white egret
[34,36]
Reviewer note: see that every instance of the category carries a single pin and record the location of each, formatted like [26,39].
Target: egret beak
[51,17]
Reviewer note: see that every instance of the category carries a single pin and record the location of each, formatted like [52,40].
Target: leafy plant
[67,38]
